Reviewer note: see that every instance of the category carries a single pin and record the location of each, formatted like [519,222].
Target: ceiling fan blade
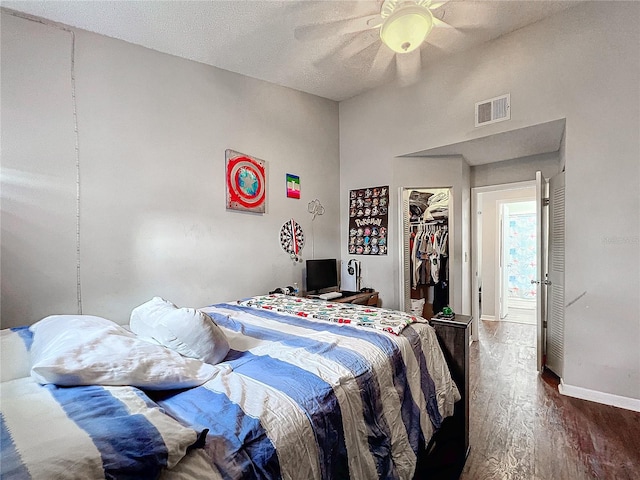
[357,45]
[447,37]
[464,14]
[381,61]
[349,52]
[320,31]
[362,23]
[441,23]
[435,5]
[408,66]
[375,21]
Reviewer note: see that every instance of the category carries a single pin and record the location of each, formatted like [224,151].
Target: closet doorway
[426,236]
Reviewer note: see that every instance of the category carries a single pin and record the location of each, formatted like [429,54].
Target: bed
[305,389]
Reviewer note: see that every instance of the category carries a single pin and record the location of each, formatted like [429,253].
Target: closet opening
[426,260]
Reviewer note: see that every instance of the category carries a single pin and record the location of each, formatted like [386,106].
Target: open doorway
[517,260]
[491,252]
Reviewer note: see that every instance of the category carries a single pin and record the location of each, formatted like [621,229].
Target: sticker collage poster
[368,221]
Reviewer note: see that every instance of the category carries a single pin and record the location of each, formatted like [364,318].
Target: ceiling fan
[403,27]
[405,24]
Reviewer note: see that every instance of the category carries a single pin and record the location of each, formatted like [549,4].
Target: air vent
[493,110]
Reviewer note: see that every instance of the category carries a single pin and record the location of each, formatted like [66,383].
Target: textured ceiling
[304,45]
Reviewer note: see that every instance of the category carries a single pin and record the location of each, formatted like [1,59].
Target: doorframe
[501,246]
[476,235]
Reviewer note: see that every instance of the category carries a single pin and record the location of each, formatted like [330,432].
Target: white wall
[517,170]
[574,66]
[152,132]
[38,216]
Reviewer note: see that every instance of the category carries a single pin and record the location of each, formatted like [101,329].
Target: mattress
[300,395]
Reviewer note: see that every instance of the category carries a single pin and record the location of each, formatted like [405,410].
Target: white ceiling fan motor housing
[405,24]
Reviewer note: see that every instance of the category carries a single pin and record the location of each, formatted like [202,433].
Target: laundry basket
[417,304]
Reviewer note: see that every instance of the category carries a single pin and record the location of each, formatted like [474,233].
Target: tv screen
[321,274]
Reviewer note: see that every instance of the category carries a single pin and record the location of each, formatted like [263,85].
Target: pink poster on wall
[293,186]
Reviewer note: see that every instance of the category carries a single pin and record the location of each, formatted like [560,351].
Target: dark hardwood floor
[522,428]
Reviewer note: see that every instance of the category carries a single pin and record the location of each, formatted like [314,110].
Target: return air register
[493,110]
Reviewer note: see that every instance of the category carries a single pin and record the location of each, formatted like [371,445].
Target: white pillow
[185,330]
[86,350]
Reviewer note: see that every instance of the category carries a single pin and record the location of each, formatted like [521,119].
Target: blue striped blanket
[295,398]
[86,432]
[303,398]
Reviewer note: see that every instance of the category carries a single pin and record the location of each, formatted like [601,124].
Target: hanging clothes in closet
[429,249]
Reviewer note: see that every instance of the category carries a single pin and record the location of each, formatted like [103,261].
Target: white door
[555,287]
[541,267]
[503,260]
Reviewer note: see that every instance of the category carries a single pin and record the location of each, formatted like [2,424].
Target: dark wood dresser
[450,448]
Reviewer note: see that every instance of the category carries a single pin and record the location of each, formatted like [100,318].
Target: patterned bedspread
[392,321]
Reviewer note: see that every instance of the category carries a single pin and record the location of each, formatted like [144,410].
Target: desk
[359,298]
[362,298]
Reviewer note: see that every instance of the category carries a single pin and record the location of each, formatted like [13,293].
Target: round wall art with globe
[246,182]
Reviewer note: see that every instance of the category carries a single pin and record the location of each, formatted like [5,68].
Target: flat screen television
[321,275]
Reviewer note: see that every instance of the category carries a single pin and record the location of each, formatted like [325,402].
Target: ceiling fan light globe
[406,28]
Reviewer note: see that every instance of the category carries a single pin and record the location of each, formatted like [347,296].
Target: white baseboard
[490,318]
[599,397]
